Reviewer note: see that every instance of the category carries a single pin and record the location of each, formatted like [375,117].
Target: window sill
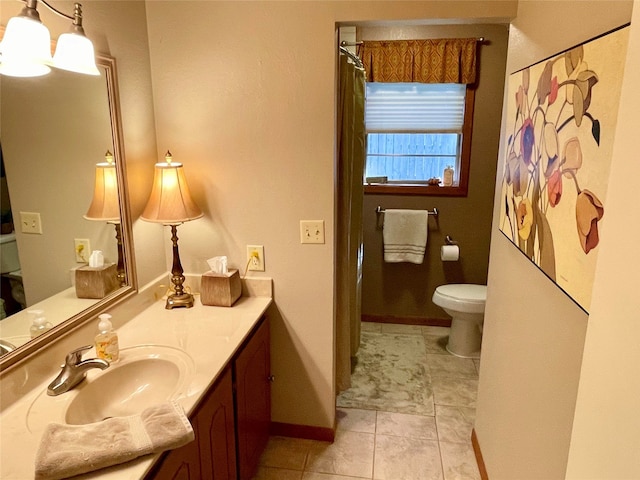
[426,190]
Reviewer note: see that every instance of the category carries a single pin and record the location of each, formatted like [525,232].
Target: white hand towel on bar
[69,450]
[405,235]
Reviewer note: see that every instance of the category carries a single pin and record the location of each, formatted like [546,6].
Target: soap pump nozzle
[104,325]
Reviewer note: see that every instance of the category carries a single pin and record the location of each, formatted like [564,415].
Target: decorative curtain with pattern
[446,60]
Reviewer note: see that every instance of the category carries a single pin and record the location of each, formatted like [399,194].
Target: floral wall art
[560,126]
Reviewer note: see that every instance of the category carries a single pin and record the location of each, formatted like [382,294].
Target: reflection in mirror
[55,132]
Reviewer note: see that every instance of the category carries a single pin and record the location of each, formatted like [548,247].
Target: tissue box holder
[219,290]
[96,282]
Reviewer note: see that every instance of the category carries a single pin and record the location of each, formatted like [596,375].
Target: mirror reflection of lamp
[170,203]
[105,206]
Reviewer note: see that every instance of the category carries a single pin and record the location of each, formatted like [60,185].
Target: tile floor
[387,445]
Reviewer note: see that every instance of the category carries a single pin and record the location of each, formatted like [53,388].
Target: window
[415,131]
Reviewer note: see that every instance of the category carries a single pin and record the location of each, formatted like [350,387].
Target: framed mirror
[55,129]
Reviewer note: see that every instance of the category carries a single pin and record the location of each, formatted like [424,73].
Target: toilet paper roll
[449,253]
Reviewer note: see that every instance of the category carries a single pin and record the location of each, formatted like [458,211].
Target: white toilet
[10,267]
[9,261]
[465,303]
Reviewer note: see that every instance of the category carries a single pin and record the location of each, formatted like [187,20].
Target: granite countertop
[210,335]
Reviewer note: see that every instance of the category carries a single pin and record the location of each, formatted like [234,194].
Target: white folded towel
[68,450]
[405,235]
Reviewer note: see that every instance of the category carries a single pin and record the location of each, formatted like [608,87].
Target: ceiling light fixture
[25,50]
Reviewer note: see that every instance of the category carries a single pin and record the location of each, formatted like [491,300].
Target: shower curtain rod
[354,58]
[354,44]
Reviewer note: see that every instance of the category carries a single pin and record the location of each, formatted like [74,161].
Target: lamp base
[177,301]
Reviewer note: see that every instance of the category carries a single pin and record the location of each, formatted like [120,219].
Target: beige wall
[245,95]
[405,290]
[606,426]
[534,334]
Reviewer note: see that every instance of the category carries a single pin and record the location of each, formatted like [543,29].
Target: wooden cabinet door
[216,432]
[180,464]
[253,400]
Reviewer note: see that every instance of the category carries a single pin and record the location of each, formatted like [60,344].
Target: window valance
[446,60]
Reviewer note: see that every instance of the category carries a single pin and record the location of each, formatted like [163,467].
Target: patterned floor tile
[285,452]
[450,366]
[356,420]
[399,458]
[459,462]
[406,425]
[454,423]
[350,454]
[460,392]
[408,416]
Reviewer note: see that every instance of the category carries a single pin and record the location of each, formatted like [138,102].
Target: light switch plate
[30,223]
[311,231]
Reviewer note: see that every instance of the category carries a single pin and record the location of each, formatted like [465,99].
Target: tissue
[96,259]
[219,265]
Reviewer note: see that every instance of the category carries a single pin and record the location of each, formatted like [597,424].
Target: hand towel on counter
[68,450]
[405,235]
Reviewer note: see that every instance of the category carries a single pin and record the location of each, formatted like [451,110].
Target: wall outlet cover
[255,258]
[83,250]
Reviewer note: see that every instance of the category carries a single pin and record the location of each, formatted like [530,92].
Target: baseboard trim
[303,431]
[423,321]
[478,453]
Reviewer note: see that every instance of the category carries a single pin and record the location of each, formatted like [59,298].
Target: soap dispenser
[39,323]
[107,340]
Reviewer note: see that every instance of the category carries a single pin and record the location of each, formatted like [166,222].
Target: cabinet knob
[271,378]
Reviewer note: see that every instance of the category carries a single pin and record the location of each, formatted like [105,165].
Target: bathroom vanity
[224,448]
[222,381]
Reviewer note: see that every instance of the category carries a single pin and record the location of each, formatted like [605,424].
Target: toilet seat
[9,260]
[462,297]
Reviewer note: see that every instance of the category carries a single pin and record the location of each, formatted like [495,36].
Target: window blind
[414,107]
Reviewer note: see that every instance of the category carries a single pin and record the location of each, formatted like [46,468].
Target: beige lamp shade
[170,202]
[105,205]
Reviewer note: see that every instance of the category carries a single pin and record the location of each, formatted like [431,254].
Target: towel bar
[433,212]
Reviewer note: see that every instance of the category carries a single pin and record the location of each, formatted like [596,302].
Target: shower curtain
[350,172]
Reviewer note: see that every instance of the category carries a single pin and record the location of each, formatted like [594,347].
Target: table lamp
[170,203]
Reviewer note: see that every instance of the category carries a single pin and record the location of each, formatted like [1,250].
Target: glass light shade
[26,48]
[170,202]
[104,205]
[74,52]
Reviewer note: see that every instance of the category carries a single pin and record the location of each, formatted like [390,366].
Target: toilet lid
[8,237]
[464,292]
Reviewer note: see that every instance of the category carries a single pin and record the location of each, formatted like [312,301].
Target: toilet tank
[9,261]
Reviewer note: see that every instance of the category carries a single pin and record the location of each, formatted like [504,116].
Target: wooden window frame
[460,190]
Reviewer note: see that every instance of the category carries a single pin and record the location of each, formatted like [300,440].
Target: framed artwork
[560,126]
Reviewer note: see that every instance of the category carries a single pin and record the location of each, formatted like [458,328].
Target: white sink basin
[145,375]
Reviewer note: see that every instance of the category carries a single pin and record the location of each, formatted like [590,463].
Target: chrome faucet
[74,371]
[6,347]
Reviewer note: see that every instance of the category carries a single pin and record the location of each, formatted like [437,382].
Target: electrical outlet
[255,257]
[311,231]
[30,223]
[83,250]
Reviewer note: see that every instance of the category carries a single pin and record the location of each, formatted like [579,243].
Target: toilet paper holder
[450,241]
